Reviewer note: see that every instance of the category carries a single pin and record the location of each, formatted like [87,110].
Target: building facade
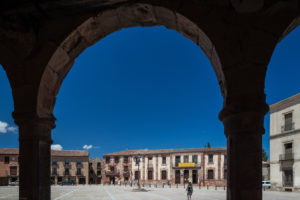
[95,171]
[205,166]
[73,165]
[64,165]
[9,165]
[285,144]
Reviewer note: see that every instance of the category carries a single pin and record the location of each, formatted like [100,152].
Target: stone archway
[104,23]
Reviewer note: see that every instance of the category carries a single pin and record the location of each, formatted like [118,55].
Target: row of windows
[164,159]
[150,175]
[67,161]
[66,172]
[7,159]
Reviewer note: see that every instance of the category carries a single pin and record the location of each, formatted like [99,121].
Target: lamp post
[137,161]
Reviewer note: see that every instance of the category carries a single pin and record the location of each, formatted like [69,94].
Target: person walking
[189,191]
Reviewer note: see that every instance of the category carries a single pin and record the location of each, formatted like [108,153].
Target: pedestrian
[189,191]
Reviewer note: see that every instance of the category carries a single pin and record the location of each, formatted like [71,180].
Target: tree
[264,155]
[207,145]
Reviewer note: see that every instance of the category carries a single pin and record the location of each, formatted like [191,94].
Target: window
[186,159]
[225,159]
[67,161]
[150,165]
[288,122]
[13,158]
[125,159]
[125,168]
[98,172]
[225,174]
[67,171]
[54,171]
[78,171]
[164,160]
[6,159]
[116,159]
[98,164]
[79,162]
[54,161]
[177,160]
[195,159]
[150,175]
[210,174]
[210,158]
[163,175]
[107,159]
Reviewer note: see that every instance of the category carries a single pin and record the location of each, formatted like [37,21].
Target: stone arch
[294,24]
[104,23]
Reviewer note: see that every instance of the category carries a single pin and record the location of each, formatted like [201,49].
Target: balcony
[186,165]
[126,173]
[12,173]
[79,165]
[54,173]
[286,156]
[79,173]
[288,127]
[67,165]
[67,173]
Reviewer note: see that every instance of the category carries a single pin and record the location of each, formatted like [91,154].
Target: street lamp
[137,161]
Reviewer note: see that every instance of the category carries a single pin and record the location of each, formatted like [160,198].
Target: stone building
[95,171]
[9,165]
[71,164]
[285,144]
[205,166]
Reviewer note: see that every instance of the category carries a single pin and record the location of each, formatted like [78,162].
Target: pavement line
[110,195]
[67,194]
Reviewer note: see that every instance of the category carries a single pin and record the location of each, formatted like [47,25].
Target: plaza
[125,193]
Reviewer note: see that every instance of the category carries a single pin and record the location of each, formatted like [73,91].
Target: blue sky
[147,88]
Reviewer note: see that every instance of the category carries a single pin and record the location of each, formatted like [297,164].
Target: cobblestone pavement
[125,193]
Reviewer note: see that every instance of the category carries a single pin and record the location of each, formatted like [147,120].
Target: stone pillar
[244,152]
[35,155]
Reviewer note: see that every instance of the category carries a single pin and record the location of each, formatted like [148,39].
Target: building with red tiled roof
[205,166]
[65,164]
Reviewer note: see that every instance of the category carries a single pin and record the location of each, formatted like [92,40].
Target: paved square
[125,193]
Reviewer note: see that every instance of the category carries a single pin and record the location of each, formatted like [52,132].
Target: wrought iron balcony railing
[286,156]
[288,127]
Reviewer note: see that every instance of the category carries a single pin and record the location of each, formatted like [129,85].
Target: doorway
[177,177]
[195,176]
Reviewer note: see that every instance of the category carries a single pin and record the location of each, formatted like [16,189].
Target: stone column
[244,152]
[35,155]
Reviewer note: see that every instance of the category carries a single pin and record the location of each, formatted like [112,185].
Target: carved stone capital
[243,121]
[34,128]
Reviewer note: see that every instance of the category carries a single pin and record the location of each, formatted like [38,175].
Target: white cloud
[57,147]
[4,128]
[87,147]
[12,129]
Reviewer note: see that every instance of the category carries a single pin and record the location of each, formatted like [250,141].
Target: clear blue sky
[148,88]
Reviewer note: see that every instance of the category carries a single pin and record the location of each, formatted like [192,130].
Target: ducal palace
[204,166]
